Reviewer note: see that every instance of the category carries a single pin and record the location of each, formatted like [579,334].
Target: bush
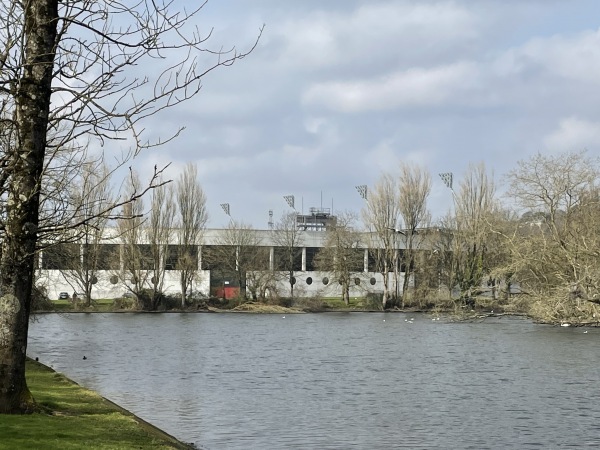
[286,302]
[373,301]
[40,300]
[122,303]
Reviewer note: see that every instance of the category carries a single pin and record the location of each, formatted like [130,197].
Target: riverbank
[552,312]
[72,417]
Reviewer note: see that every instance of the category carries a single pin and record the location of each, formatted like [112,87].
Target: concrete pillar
[304,259]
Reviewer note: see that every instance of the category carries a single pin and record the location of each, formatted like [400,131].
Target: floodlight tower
[447,178]
[227,211]
[290,201]
[362,190]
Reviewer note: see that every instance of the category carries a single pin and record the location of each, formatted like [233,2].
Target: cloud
[338,92]
[573,134]
[575,57]
[372,34]
[408,88]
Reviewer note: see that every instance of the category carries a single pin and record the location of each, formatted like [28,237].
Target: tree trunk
[183,288]
[25,166]
[346,294]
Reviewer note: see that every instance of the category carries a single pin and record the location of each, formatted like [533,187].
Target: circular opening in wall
[154,280]
[94,279]
[325,280]
[114,279]
[293,281]
[372,281]
[309,280]
[133,280]
[357,281]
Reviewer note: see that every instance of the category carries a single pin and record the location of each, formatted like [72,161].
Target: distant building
[318,219]
[56,263]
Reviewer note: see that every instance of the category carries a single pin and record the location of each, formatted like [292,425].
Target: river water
[337,380]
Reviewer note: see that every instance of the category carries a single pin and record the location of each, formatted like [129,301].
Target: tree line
[537,240]
[540,238]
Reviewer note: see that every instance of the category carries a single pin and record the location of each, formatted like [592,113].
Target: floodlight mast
[225,207]
[447,178]
[362,190]
[290,201]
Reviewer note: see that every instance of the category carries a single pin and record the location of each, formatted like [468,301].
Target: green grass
[72,417]
[98,305]
[355,303]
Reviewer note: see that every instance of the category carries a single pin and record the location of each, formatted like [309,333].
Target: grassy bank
[72,417]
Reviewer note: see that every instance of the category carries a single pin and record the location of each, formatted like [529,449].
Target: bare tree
[289,240]
[555,246]
[414,188]
[134,258]
[381,216]
[236,253]
[191,224]
[160,236]
[343,254]
[475,205]
[66,66]
[92,195]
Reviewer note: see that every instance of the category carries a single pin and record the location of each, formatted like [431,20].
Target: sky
[338,92]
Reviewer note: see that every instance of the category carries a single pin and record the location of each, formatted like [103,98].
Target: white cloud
[575,57]
[573,134]
[409,88]
[377,31]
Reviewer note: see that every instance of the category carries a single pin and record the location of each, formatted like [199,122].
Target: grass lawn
[98,305]
[75,418]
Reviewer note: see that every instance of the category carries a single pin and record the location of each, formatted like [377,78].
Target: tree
[159,233]
[64,67]
[289,240]
[554,248]
[135,260]
[475,207]
[237,253]
[381,217]
[343,255]
[191,224]
[91,194]
[414,188]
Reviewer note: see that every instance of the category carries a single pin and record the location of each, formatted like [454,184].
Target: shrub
[40,300]
[373,301]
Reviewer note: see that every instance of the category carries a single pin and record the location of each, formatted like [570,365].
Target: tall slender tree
[381,216]
[91,192]
[343,254]
[414,188]
[192,218]
[290,239]
[476,205]
[160,235]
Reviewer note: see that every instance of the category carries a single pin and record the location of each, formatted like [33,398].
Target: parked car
[63,296]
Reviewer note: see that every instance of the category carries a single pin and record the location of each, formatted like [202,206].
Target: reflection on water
[336,380]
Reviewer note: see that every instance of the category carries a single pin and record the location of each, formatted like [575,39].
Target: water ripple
[334,381]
